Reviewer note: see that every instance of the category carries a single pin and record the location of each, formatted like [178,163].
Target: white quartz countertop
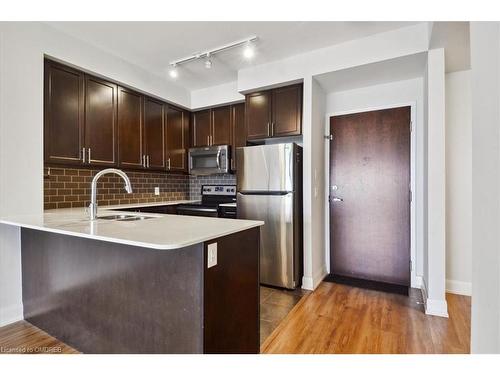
[161,232]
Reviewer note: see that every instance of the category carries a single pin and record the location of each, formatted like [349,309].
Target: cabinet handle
[268,130]
[147,160]
[88,159]
[144,161]
[168,165]
[208,140]
[272,128]
[83,155]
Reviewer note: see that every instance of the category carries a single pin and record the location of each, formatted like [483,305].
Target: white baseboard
[434,306]
[459,287]
[311,283]
[11,314]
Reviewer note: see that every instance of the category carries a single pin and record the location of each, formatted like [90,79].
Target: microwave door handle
[218,159]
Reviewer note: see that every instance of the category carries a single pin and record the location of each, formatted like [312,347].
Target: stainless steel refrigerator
[269,184]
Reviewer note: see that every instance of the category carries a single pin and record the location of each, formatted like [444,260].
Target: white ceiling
[152,45]
[407,67]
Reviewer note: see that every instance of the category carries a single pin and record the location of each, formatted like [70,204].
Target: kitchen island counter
[165,284]
[158,231]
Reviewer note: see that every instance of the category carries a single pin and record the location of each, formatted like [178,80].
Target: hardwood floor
[342,319]
[24,338]
[333,319]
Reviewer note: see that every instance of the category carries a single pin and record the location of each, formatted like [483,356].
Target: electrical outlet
[157,190]
[212,255]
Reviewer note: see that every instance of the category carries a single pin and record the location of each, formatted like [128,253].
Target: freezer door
[276,236]
[266,168]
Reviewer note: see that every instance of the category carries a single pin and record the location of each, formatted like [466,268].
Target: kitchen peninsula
[141,283]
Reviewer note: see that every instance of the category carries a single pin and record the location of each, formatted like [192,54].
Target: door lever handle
[335,199]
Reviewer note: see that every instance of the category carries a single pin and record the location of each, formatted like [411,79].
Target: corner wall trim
[11,314]
[459,287]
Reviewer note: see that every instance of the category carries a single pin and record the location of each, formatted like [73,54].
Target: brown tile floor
[275,304]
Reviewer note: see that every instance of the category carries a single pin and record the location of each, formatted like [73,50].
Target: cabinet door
[177,139]
[221,125]
[238,131]
[100,121]
[287,111]
[258,115]
[130,129]
[63,114]
[154,134]
[202,128]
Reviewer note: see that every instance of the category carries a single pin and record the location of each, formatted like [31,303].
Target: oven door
[209,160]
[197,211]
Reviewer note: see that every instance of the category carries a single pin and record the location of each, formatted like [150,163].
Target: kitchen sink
[124,217]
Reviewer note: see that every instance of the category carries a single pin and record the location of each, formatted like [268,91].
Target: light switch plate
[212,255]
[157,190]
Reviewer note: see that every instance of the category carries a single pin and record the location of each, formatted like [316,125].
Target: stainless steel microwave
[209,160]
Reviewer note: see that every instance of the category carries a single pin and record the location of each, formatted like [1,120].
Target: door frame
[415,280]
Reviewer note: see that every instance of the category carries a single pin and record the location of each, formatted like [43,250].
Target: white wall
[434,283]
[22,48]
[379,47]
[407,92]
[485,83]
[216,95]
[458,183]
[314,191]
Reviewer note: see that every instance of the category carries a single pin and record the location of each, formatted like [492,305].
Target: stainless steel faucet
[93,195]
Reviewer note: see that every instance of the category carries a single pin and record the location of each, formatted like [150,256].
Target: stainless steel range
[216,201]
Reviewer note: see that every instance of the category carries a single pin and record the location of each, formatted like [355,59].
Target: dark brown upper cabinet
[212,127]
[258,114]
[238,131]
[63,114]
[287,111]
[100,122]
[90,121]
[274,113]
[130,129]
[177,139]
[202,128]
[154,134]
[221,126]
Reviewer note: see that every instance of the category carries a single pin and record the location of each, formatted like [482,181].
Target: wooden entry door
[370,196]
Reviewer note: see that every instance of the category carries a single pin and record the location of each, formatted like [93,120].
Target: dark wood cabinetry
[202,128]
[100,122]
[274,113]
[258,115]
[238,130]
[130,129]
[177,139]
[287,111]
[154,134]
[80,118]
[221,126]
[63,117]
[212,127]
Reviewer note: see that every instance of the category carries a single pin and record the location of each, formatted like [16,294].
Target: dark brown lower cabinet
[141,300]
